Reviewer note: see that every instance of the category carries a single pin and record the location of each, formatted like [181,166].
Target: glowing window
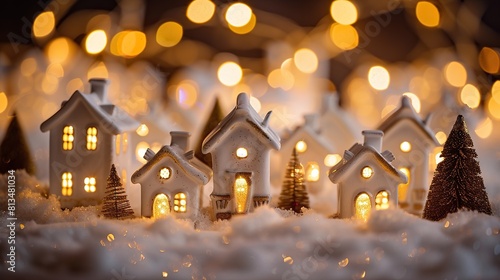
[301,146]
[405,146]
[165,173]
[363,206]
[241,153]
[161,206]
[67,184]
[180,204]
[142,130]
[125,142]
[118,139]
[91,138]
[403,188]
[366,172]
[382,200]
[312,172]
[90,184]
[68,138]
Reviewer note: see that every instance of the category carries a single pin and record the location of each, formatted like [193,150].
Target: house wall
[124,163]
[352,184]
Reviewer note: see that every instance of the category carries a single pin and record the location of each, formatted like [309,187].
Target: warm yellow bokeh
[455,74]
[28,66]
[128,43]
[238,14]
[58,50]
[247,28]
[305,60]
[3,102]
[484,128]
[96,41]
[489,60]
[200,11]
[169,34]
[343,12]
[98,70]
[187,93]
[281,78]
[379,77]
[229,73]
[44,24]
[415,101]
[427,14]
[470,96]
[495,91]
[494,108]
[441,137]
[345,37]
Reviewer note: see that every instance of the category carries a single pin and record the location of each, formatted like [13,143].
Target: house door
[362,206]
[242,184]
[161,206]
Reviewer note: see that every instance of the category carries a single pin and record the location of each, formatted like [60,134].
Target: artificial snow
[267,244]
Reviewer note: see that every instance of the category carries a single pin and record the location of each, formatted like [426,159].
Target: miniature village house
[87,135]
[411,141]
[366,178]
[172,180]
[240,146]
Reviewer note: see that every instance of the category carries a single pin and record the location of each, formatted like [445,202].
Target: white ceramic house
[240,146]
[87,135]
[412,142]
[366,178]
[172,180]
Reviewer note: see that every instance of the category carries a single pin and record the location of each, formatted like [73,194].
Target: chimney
[180,139]
[99,87]
[373,138]
[312,121]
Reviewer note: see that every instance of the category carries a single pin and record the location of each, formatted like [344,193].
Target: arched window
[161,206]
[363,206]
[382,200]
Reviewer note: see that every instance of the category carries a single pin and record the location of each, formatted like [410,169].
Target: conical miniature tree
[215,117]
[293,192]
[14,151]
[116,205]
[457,182]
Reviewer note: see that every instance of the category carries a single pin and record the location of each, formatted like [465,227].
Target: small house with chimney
[240,146]
[87,135]
[366,178]
[412,142]
[172,180]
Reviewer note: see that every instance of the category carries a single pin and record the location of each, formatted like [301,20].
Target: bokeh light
[345,37]
[343,12]
[58,50]
[305,60]
[379,77]
[128,43]
[470,96]
[415,101]
[187,93]
[247,28]
[229,73]
[3,102]
[44,24]
[484,128]
[238,14]
[455,74]
[489,60]
[427,14]
[200,11]
[441,137]
[96,41]
[169,34]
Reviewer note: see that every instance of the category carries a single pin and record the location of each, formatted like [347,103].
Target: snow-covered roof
[191,166]
[356,151]
[242,114]
[308,129]
[113,119]
[406,111]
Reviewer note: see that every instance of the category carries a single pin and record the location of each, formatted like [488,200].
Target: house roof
[406,111]
[243,113]
[113,119]
[345,165]
[192,167]
[314,134]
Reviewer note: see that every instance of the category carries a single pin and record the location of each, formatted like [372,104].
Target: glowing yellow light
[58,50]
[415,101]
[165,173]
[229,73]
[128,43]
[332,159]
[344,37]
[241,152]
[98,70]
[484,128]
[56,70]
[186,93]
[441,137]
[312,172]
[405,146]
[180,203]
[238,14]
[68,138]
[427,14]
[169,34]
[49,84]
[382,200]
[378,77]
[281,78]
[200,11]
[363,206]
[90,184]
[439,159]
[96,41]
[305,60]
[142,130]
[241,194]
[403,188]
[495,91]
[74,85]
[366,172]
[3,102]
[140,150]
[164,274]
[301,146]
[161,206]
[455,74]
[67,184]
[344,12]
[470,96]
[255,104]
[91,138]
[247,28]
[494,108]
[28,66]
[44,24]
[110,237]
[489,60]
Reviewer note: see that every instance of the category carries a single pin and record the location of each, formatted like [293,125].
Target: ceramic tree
[457,182]
[116,205]
[293,192]
[14,150]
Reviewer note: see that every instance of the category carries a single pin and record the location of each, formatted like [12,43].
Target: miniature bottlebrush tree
[116,205]
[457,182]
[293,193]
[14,151]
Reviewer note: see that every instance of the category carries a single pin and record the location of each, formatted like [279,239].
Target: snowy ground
[267,244]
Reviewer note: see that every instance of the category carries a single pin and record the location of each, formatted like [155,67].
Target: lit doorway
[161,206]
[363,206]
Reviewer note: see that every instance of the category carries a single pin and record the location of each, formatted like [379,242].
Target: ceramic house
[412,142]
[87,135]
[240,146]
[366,178]
[172,180]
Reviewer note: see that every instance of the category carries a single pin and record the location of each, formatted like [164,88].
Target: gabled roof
[113,119]
[191,167]
[313,133]
[242,114]
[345,165]
[406,111]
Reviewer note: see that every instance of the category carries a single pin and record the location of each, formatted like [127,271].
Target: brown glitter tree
[293,192]
[116,205]
[457,182]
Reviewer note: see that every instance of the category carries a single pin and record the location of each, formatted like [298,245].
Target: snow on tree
[14,150]
[293,192]
[457,182]
[116,205]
